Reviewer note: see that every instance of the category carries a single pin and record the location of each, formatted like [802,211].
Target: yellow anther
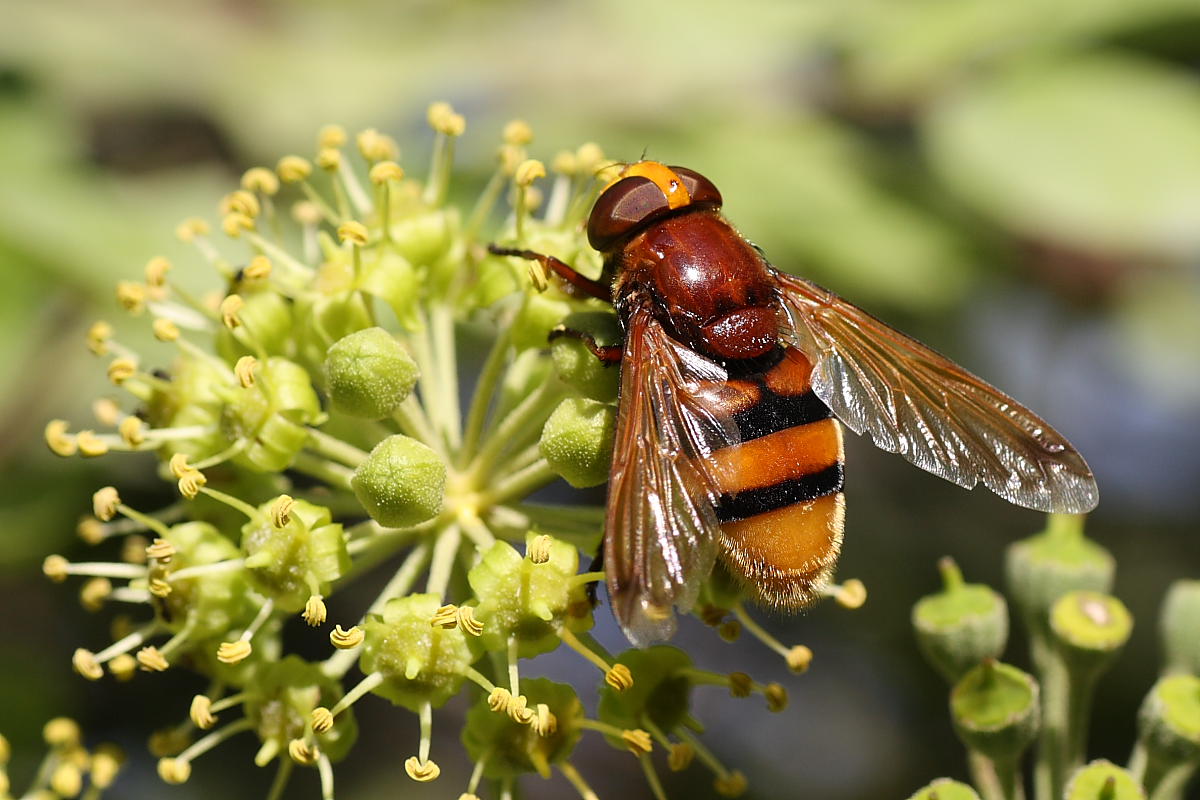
[609,174]
[442,119]
[165,330]
[329,159]
[121,370]
[851,594]
[777,697]
[123,666]
[281,511]
[244,370]
[189,485]
[518,709]
[133,551]
[179,465]
[90,445]
[106,411]
[94,592]
[619,678]
[162,550]
[156,271]
[588,157]
[544,723]
[303,753]
[56,568]
[498,699]
[539,549]
[518,132]
[445,617]
[638,741]
[91,530]
[259,269]
[240,202]
[376,146]
[106,763]
[730,630]
[306,213]
[158,587]
[97,337]
[66,780]
[468,796]
[105,502]
[346,639]
[331,135]
[201,712]
[740,684]
[565,163]
[799,658]
[174,770]
[322,720]
[467,622]
[422,772]
[57,438]
[510,157]
[84,662]
[260,179]
[235,222]
[234,652]
[353,231]
[680,757]
[5,750]
[732,784]
[131,296]
[168,741]
[529,171]
[315,612]
[293,169]
[386,171]
[61,733]
[132,430]
[533,198]
[191,228]
[151,660]
[231,306]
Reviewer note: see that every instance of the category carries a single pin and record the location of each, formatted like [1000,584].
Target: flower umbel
[309,416]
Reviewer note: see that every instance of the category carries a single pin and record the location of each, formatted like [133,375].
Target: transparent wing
[661,529]
[916,402]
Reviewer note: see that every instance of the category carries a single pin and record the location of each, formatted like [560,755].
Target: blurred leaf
[1102,152]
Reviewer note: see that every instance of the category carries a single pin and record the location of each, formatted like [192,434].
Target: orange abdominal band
[664,178]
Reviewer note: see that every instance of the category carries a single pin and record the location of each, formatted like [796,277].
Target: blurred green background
[1016,183]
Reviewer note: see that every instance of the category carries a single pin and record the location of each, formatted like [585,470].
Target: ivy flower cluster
[309,415]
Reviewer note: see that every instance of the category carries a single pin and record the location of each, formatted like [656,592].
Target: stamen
[57,438]
[156,271]
[617,676]
[315,612]
[576,780]
[244,370]
[346,639]
[851,594]
[539,549]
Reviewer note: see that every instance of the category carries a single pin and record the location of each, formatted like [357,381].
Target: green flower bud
[529,601]
[1169,720]
[995,710]
[1089,629]
[661,691]
[1180,627]
[420,662]
[423,239]
[208,604]
[369,374]
[577,366]
[540,314]
[401,483]
[962,625]
[388,276]
[945,789]
[282,699]
[266,321]
[331,313]
[577,441]
[1049,564]
[1103,780]
[298,560]
[511,748]
[270,416]
[496,278]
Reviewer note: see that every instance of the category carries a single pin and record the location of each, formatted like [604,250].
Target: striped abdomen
[781,507]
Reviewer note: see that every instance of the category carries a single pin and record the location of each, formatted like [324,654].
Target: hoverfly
[734,377]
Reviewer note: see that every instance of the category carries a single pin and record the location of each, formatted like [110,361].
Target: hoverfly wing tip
[648,624]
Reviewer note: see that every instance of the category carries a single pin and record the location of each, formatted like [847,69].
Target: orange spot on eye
[664,177]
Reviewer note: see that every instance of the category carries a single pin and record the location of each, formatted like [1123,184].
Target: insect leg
[608,354]
[566,272]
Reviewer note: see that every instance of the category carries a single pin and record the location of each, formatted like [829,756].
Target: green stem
[1173,782]
[516,428]
[984,777]
[482,398]
[432,391]
[444,348]
[328,446]
[413,422]
[445,550]
[335,475]
[521,483]
[1051,768]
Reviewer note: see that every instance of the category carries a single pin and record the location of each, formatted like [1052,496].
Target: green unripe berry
[1049,564]
[961,626]
[422,239]
[577,366]
[1180,627]
[369,374]
[1169,720]
[266,320]
[401,483]
[1089,629]
[388,276]
[995,710]
[281,702]
[420,662]
[1103,780]
[577,441]
[510,748]
[945,789]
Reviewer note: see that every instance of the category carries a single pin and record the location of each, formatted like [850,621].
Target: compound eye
[704,194]
[622,208]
